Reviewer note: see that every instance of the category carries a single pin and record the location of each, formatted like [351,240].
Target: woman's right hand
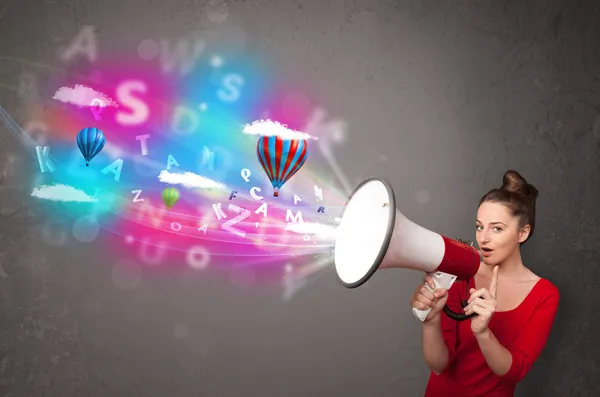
[423,298]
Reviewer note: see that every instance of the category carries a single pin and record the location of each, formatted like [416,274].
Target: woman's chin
[490,261]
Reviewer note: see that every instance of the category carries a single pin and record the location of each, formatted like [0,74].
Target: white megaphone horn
[373,235]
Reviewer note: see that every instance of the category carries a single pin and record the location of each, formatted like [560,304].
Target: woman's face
[497,232]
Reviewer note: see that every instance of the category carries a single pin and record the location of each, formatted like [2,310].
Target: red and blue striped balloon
[281,158]
[90,141]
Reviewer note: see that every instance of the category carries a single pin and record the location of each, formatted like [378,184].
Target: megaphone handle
[441,280]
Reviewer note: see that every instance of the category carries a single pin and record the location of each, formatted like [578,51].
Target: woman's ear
[524,233]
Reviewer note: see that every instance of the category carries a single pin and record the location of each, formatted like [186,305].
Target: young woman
[490,353]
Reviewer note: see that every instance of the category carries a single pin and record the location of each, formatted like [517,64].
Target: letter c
[254,195]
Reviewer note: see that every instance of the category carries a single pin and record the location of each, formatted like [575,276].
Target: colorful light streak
[184,119]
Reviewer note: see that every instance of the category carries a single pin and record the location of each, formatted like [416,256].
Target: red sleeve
[528,346]
[449,326]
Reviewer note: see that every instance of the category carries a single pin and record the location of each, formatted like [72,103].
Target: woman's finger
[477,309]
[494,283]
[484,303]
[429,281]
[427,293]
[481,311]
[480,293]
[420,305]
[424,300]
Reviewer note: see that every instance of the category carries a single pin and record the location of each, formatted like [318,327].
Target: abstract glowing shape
[170,196]
[281,158]
[91,142]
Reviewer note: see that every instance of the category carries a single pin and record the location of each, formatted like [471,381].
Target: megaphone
[373,235]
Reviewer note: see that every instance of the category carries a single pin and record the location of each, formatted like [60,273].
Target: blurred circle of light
[180,331]
[423,197]
[86,229]
[198,257]
[52,236]
[217,11]
[126,274]
[148,50]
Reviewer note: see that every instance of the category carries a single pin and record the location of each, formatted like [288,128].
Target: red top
[523,331]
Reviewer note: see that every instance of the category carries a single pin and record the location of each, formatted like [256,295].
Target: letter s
[140,111]
[232,83]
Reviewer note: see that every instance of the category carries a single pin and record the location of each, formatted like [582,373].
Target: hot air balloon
[91,142]
[281,158]
[170,196]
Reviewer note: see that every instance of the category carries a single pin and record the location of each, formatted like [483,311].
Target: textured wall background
[439,97]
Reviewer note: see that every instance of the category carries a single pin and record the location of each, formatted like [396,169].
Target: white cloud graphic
[317,229]
[83,96]
[274,128]
[60,192]
[188,179]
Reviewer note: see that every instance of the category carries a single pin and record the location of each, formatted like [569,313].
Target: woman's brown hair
[518,196]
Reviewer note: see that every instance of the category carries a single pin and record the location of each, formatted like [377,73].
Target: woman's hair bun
[513,182]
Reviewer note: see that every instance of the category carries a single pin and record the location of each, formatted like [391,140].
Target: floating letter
[84,43]
[37,130]
[181,115]
[208,158]
[115,168]
[43,160]
[263,208]
[232,83]
[137,194]
[246,175]
[197,257]
[142,139]
[219,211]
[27,87]
[150,213]
[171,161]
[319,192]
[181,54]
[297,218]
[321,209]
[140,111]
[232,195]
[146,257]
[296,199]
[244,213]
[254,195]
[97,107]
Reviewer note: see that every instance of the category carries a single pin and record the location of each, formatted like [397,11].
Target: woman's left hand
[483,302]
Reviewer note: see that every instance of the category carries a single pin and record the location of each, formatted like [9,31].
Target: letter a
[84,43]
[115,168]
[171,161]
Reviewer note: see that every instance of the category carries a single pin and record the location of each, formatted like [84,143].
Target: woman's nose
[485,236]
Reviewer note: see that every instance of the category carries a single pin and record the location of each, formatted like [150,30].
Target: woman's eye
[497,229]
